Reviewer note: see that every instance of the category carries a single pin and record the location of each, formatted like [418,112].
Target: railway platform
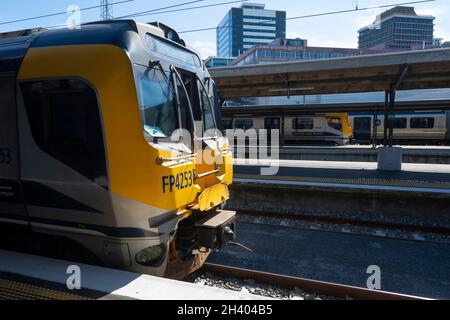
[418,195]
[28,277]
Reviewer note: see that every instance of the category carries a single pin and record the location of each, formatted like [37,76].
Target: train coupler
[216,229]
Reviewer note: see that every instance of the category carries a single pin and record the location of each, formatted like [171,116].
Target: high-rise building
[399,27]
[244,27]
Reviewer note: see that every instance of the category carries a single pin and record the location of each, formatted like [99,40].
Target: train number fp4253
[180,181]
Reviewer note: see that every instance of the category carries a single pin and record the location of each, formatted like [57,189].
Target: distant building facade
[244,27]
[283,50]
[399,27]
[215,62]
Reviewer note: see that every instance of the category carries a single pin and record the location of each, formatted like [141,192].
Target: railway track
[342,221]
[320,287]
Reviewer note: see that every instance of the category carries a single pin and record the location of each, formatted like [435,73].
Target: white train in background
[427,127]
[330,128]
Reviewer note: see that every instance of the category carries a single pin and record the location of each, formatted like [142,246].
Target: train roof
[14,45]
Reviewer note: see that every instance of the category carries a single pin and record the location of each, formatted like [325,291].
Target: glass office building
[249,25]
[398,27]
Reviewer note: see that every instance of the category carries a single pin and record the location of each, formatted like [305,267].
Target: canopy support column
[389,107]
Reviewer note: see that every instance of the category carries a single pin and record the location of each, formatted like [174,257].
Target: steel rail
[313,286]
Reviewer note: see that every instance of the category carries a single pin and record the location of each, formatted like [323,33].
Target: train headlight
[151,256]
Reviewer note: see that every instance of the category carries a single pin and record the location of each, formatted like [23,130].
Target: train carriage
[89,162]
[331,128]
[420,127]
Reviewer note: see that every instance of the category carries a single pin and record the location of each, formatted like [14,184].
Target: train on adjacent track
[93,165]
[330,128]
[418,127]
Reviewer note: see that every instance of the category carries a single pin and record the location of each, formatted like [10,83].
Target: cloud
[206,48]
[436,11]
[367,17]
[442,33]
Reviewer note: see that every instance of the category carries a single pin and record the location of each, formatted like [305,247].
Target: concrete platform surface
[369,147]
[416,177]
[411,154]
[344,165]
[114,284]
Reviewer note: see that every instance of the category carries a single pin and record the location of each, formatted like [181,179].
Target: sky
[338,30]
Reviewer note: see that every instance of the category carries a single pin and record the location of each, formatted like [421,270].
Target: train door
[272,124]
[63,163]
[447,126]
[202,112]
[361,128]
[12,207]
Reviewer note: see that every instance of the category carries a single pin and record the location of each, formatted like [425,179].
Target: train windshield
[157,102]
[335,123]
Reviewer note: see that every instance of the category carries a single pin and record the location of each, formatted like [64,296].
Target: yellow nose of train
[119,133]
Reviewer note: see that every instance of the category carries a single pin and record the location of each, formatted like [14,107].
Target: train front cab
[332,128]
[97,162]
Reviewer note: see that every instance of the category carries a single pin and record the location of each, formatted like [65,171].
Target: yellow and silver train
[90,169]
[330,128]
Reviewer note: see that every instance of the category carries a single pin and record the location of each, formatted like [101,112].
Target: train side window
[227,124]
[208,115]
[65,123]
[184,107]
[243,124]
[400,123]
[422,123]
[303,124]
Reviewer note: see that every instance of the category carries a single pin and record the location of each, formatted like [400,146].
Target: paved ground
[406,267]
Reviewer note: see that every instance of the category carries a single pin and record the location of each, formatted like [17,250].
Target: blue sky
[337,30]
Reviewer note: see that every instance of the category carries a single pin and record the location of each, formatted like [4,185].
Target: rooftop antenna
[106,8]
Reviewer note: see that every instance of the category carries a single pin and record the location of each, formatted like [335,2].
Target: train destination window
[400,123]
[164,48]
[157,103]
[303,124]
[243,124]
[65,123]
[422,123]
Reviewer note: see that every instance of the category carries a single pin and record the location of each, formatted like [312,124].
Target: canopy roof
[423,69]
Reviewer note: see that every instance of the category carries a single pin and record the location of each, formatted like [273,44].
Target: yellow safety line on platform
[13,290]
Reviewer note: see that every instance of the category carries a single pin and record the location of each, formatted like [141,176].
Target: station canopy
[423,69]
